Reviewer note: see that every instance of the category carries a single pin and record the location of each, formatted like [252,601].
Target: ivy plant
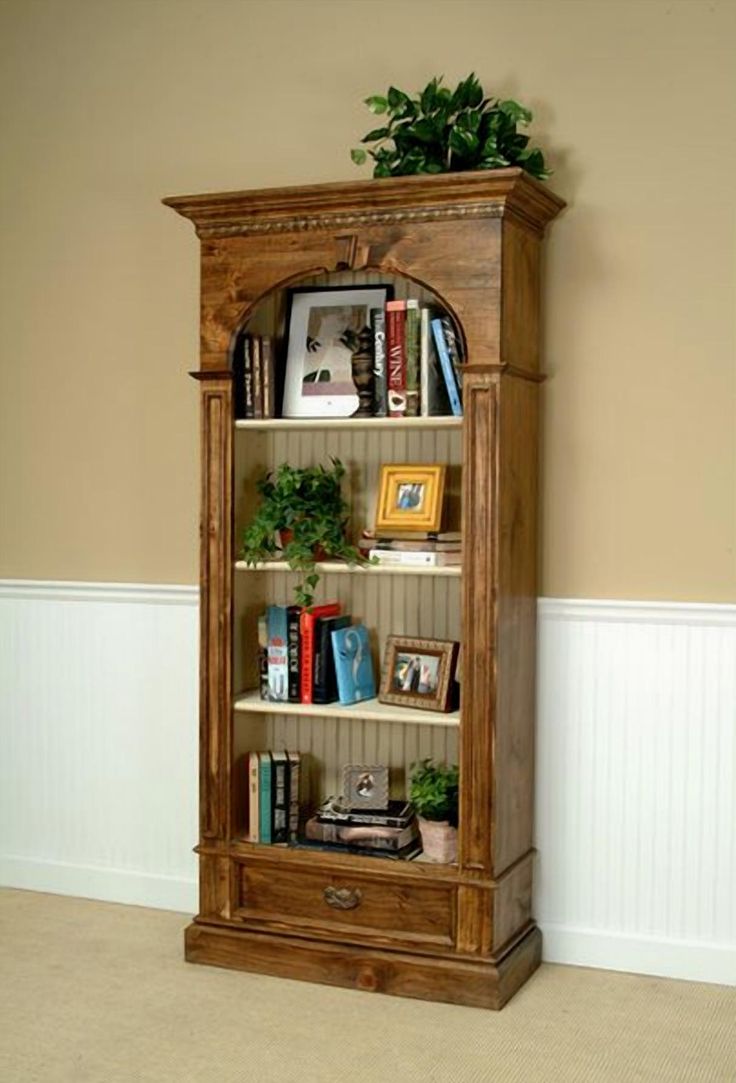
[302,518]
[447,131]
[433,790]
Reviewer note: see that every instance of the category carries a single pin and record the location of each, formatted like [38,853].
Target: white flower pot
[439,840]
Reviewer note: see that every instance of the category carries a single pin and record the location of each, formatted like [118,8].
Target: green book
[265,818]
[412,358]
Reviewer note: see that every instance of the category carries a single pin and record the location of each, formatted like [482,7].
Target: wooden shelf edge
[335,567]
[294,424]
[370,710]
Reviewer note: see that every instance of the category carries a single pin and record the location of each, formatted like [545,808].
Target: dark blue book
[448,370]
[356,680]
[324,688]
[380,399]
[294,652]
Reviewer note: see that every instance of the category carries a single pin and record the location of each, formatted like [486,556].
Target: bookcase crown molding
[344,205]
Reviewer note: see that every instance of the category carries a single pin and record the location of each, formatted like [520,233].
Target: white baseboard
[656,956]
[109,885]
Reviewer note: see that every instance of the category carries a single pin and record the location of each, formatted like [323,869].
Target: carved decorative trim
[349,221]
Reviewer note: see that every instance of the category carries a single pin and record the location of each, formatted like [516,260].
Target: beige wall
[110,105]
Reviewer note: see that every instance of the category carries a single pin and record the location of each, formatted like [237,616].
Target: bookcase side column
[215,633]
[480,401]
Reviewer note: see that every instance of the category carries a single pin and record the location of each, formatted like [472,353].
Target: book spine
[253,797]
[378,326]
[396,357]
[264,790]
[294,779]
[362,837]
[447,370]
[306,629]
[278,661]
[248,403]
[453,350]
[409,557]
[269,377]
[294,651]
[263,656]
[424,362]
[279,798]
[354,820]
[257,377]
[412,359]
[319,660]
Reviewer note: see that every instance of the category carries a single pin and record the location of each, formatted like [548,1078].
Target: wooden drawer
[375,907]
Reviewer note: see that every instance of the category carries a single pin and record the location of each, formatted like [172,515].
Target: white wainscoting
[636,773]
[98,741]
[636,766]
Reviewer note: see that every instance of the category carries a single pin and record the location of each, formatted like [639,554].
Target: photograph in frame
[419,673]
[410,497]
[324,325]
[365,786]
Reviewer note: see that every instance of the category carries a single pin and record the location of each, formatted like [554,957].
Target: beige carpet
[98,992]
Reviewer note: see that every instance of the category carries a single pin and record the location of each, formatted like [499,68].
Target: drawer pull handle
[343,898]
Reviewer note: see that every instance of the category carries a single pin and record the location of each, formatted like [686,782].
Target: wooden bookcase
[462,933]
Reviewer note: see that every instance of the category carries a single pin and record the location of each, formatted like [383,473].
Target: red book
[396,357]
[306,633]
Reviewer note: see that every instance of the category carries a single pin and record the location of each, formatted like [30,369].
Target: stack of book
[273,796]
[413,548]
[314,655]
[417,362]
[255,377]
[392,832]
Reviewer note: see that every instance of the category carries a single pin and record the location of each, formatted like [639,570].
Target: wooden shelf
[338,567]
[294,424]
[370,710]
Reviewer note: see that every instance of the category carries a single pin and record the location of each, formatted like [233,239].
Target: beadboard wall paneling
[636,783]
[98,740]
[636,765]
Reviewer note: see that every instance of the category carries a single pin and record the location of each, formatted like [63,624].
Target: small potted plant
[434,794]
[440,130]
[301,519]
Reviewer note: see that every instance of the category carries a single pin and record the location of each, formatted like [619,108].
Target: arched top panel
[347,343]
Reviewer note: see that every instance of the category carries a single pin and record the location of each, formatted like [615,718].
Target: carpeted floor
[99,992]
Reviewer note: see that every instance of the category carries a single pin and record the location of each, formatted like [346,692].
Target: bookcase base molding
[486,984]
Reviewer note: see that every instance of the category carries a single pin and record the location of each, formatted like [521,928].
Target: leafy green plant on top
[446,131]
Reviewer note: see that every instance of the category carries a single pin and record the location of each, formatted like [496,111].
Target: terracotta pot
[285,537]
[439,840]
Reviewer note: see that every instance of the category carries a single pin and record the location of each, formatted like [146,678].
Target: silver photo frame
[365,786]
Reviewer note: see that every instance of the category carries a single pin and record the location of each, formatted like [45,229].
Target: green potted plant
[434,794]
[440,130]
[301,519]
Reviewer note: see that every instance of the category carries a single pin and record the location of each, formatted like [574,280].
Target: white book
[415,559]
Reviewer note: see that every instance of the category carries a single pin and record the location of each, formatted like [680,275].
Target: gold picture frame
[410,496]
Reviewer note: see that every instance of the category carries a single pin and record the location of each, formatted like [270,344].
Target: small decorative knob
[342,898]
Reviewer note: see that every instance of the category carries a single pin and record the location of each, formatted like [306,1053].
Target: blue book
[447,370]
[353,664]
[265,811]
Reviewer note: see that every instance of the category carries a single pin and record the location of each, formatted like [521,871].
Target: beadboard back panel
[636,764]
[411,605]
